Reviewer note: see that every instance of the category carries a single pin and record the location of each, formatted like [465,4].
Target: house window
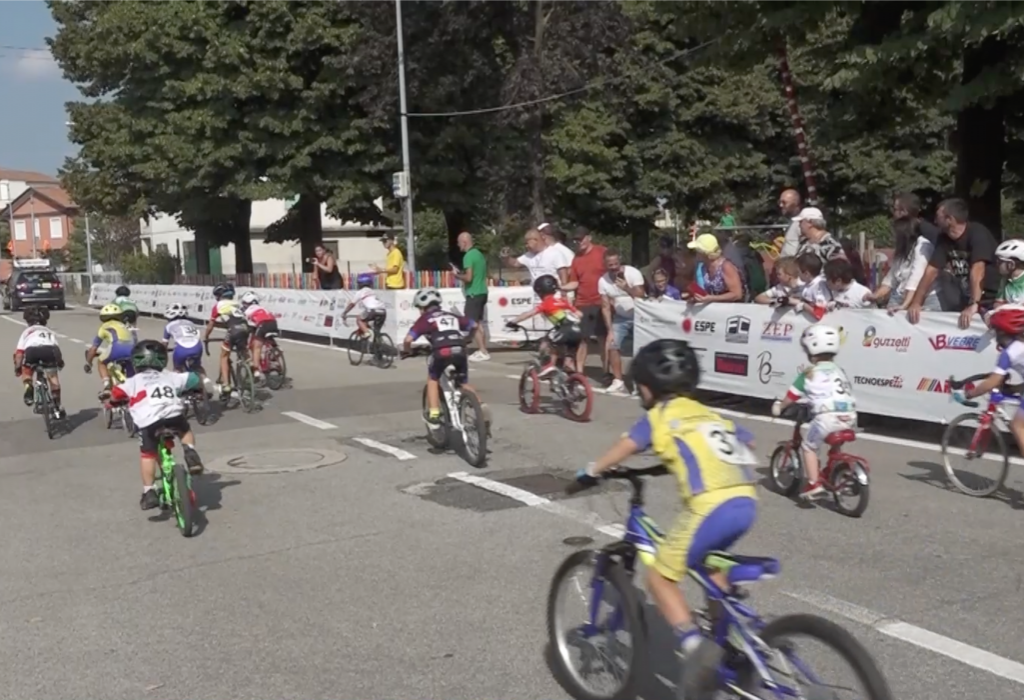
[35,226]
[19,231]
[56,227]
[5,192]
[162,248]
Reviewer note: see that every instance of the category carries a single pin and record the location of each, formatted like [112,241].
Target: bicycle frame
[835,456]
[168,490]
[994,414]
[451,394]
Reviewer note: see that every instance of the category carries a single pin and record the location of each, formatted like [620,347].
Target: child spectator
[836,288]
[787,272]
[661,288]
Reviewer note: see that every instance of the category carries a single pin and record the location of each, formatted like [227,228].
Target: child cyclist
[38,346]
[263,325]
[113,343]
[712,460]
[227,313]
[153,399]
[566,335]
[372,309]
[1010,259]
[826,388]
[130,309]
[188,346]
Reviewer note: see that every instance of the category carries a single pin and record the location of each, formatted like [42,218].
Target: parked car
[33,282]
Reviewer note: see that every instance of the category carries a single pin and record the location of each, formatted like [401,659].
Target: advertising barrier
[896,368]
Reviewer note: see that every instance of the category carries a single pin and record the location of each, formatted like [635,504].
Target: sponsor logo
[731,363]
[640,318]
[955,342]
[406,305]
[938,386]
[324,302]
[873,340]
[882,382]
[737,329]
[514,301]
[765,371]
[698,326]
[777,331]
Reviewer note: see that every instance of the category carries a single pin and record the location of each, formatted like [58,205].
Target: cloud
[36,66]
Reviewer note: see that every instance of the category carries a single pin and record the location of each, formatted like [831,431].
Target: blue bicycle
[748,659]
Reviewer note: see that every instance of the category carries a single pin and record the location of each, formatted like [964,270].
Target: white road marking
[889,626]
[13,320]
[309,420]
[393,451]
[310,345]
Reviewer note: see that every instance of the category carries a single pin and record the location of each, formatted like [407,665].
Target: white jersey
[153,395]
[1011,358]
[36,336]
[825,387]
[368,300]
[183,332]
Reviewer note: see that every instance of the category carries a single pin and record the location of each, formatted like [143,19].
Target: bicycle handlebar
[633,476]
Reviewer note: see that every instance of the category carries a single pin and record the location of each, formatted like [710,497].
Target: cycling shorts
[117,352]
[148,444]
[267,329]
[43,356]
[442,358]
[237,336]
[183,355]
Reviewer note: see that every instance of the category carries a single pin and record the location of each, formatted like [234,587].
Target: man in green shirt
[474,278]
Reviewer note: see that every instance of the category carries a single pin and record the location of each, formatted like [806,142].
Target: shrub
[157,268]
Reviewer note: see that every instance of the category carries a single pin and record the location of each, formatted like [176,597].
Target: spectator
[790,204]
[326,268]
[963,265]
[474,287]
[584,278]
[553,238]
[727,220]
[907,205]
[394,264]
[619,287]
[840,290]
[747,260]
[810,266]
[853,255]
[538,259]
[788,273]
[909,261]
[721,279]
[817,239]
[686,268]
[661,289]
[665,259]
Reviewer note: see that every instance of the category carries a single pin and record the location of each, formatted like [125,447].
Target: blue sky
[33,91]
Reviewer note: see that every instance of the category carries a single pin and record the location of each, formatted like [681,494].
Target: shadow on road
[934,475]
[208,489]
[80,418]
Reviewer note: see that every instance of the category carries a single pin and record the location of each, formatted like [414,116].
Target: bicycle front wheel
[245,383]
[384,351]
[608,638]
[356,348]
[579,398]
[184,500]
[202,407]
[975,458]
[277,370]
[474,430]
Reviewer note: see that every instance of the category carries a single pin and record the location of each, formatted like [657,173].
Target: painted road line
[13,320]
[388,449]
[889,626]
[309,420]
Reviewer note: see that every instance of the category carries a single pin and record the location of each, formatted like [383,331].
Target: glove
[959,395]
[777,408]
[586,476]
[511,326]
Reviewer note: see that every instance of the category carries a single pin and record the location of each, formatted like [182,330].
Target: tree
[112,239]
[5,239]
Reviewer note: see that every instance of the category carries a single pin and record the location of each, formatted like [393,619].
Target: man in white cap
[817,238]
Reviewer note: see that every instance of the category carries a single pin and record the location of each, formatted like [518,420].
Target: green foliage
[5,239]
[157,268]
[112,239]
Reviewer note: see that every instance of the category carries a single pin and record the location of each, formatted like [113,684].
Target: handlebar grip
[970,404]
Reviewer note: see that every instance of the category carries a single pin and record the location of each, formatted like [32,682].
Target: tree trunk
[311,229]
[640,248]
[456,222]
[202,252]
[981,140]
[241,238]
[537,120]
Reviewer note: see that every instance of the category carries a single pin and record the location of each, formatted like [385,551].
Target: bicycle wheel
[384,352]
[845,485]
[785,470]
[778,636]
[356,348]
[598,639]
[529,391]
[246,385]
[184,500]
[276,369]
[127,422]
[436,437]
[46,403]
[202,408]
[579,398]
[108,416]
[474,430]
[965,438]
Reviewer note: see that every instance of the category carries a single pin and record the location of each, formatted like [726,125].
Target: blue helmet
[364,279]
[224,290]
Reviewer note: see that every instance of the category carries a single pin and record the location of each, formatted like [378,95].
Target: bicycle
[456,406]
[42,398]
[272,363]
[175,485]
[843,474]
[749,656]
[569,388]
[242,379]
[379,345]
[198,401]
[118,373]
[994,416]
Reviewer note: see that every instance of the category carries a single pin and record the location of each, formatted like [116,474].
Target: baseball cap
[809,213]
[387,236]
[580,233]
[704,243]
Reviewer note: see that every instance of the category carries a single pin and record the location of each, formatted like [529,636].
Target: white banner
[897,369]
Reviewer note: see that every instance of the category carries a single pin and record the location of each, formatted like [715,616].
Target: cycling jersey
[34,337]
[558,310]
[227,311]
[256,314]
[825,387]
[154,396]
[183,332]
[442,328]
[1012,290]
[126,304]
[115,341]
[1011,358]
[367,299]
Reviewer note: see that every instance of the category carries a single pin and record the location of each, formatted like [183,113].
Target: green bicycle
[175,486]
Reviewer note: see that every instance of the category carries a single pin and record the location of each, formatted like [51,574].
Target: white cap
[809,213]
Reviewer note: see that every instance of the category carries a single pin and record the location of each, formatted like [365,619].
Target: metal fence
[78,284]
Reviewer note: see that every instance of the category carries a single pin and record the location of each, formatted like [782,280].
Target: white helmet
[249,298]
[426,297]
[820,339]
[1012,249]
[175,311]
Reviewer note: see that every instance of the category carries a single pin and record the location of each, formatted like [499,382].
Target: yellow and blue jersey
[705,452]
[115,341]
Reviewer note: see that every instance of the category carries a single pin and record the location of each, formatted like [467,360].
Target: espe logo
[514,301]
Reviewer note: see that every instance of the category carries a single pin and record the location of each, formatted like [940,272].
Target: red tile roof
[26,176]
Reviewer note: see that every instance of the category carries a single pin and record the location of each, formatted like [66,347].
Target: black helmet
[36,315]
[545,285]
[149,354]
[224,289]
[130,316]
[122,291]
[666,367]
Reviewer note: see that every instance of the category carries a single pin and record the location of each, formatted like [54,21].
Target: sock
[151,487]
[435,413]
[687,639]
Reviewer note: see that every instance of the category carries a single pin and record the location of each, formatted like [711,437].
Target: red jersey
[556,309]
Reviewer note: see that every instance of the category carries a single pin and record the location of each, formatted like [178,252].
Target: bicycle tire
[127,422]
[774,468]
[108,416]
[577,379]
[47,407]
[384,352]
[436,437]
[480,458]
[616,576]
[951,473]
[202,408]
[277,370]
[245,382]
[356,348]
[529,401]
[184,501]
[838,639]
[844,471]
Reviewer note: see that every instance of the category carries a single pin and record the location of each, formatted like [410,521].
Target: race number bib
[727,447]
[446,323]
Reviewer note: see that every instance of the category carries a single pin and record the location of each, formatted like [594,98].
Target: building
[40,213]
[355,246]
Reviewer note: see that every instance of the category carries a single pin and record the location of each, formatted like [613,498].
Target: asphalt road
[379,576]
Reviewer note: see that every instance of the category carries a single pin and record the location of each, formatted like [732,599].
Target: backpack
[753,266]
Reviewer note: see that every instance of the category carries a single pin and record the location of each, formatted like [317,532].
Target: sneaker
[195,465]
[480,356]
[812,490]
[149,500]
[618,387]
[433,421]
[29,395]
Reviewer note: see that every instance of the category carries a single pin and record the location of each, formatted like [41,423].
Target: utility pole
[404,182]
[88,249]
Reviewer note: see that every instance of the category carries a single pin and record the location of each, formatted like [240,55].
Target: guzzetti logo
[873,340]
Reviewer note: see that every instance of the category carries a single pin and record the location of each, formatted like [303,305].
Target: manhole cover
[539,484]
[277,461]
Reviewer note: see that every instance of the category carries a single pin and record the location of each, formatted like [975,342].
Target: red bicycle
[570,389]
[844,475]
[272,363]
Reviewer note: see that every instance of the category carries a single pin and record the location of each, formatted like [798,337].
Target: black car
[26,287]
